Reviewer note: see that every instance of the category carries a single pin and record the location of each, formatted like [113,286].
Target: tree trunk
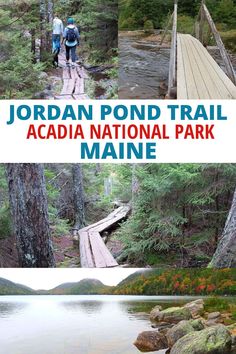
[135,185]
[225,255]
[46,15]
[33,45]
[78,195]
[28,202]
[42,29]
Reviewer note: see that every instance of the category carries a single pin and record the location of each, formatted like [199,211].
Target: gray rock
[171,315]
[155,311]
[43,76]
[196,307]
[213,340]
[150,341]
[181,329]
[197,324]
[213,315]
[178,331]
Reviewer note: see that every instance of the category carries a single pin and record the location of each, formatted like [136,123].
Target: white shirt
[58,27]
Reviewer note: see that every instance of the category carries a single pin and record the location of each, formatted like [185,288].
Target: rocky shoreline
[189,329]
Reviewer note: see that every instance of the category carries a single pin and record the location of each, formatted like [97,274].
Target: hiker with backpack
[58,30]
[71,38]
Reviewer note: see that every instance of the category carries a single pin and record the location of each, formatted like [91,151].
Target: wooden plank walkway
[198,74]
[73,82]
[93,251]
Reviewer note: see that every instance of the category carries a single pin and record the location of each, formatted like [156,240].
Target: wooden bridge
[73,82]
[93,251]
[193,73]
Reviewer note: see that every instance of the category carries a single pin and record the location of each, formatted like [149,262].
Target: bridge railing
[173,56]
[205,16]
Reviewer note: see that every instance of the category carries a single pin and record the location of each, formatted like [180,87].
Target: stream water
[76,324]
[143,72]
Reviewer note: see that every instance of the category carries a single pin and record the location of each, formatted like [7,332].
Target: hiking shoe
[67,63]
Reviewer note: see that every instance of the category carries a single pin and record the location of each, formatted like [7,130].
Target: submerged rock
[213,340]
[172,315]
[150,341]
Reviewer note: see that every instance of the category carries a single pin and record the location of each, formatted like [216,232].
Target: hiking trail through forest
[73,81]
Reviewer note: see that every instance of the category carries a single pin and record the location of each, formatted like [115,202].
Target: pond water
[75,324]
[143,68]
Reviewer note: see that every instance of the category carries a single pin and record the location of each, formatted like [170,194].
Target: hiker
[58,30]
[71,38]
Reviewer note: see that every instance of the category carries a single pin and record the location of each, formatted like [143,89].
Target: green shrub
[185,24]
[229,39]
[148,26]
[216,304]
[233,315]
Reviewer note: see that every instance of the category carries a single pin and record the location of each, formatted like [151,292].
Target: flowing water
[143,68]
[75,324]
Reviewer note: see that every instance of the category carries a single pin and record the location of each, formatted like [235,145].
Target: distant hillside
[179,282]
[7,287]
[83,287]
[143,282]
[136,276]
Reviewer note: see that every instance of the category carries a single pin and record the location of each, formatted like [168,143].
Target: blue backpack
[71,35]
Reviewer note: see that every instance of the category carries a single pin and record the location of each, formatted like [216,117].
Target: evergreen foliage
[134,13]
[25,39]
[179,210]
[179,213]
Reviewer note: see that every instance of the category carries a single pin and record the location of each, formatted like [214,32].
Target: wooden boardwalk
[93,251]
[198,74]
[73,82]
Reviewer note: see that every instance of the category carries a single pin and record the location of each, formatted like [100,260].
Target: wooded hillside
[182,214]
[133,14]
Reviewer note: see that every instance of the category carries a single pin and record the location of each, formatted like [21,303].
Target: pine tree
[28,201]
[78,188]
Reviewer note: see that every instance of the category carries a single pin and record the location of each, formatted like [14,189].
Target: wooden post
[197,24]
[173,54]
[197,30]
[220,44]
[201,22]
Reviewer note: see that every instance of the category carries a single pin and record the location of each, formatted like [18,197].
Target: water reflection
[143,69]
[8,309]
[75,324]
[88,307]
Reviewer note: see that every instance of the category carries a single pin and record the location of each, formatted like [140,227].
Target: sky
[48,278]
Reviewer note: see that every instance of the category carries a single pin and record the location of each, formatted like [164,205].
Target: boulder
[213,315]
[154,312]
[197,324]
[150,341]
[213,340]
[172,315]
[178,331]
[232,329]
[196,307]
[181,329]
[214,318]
